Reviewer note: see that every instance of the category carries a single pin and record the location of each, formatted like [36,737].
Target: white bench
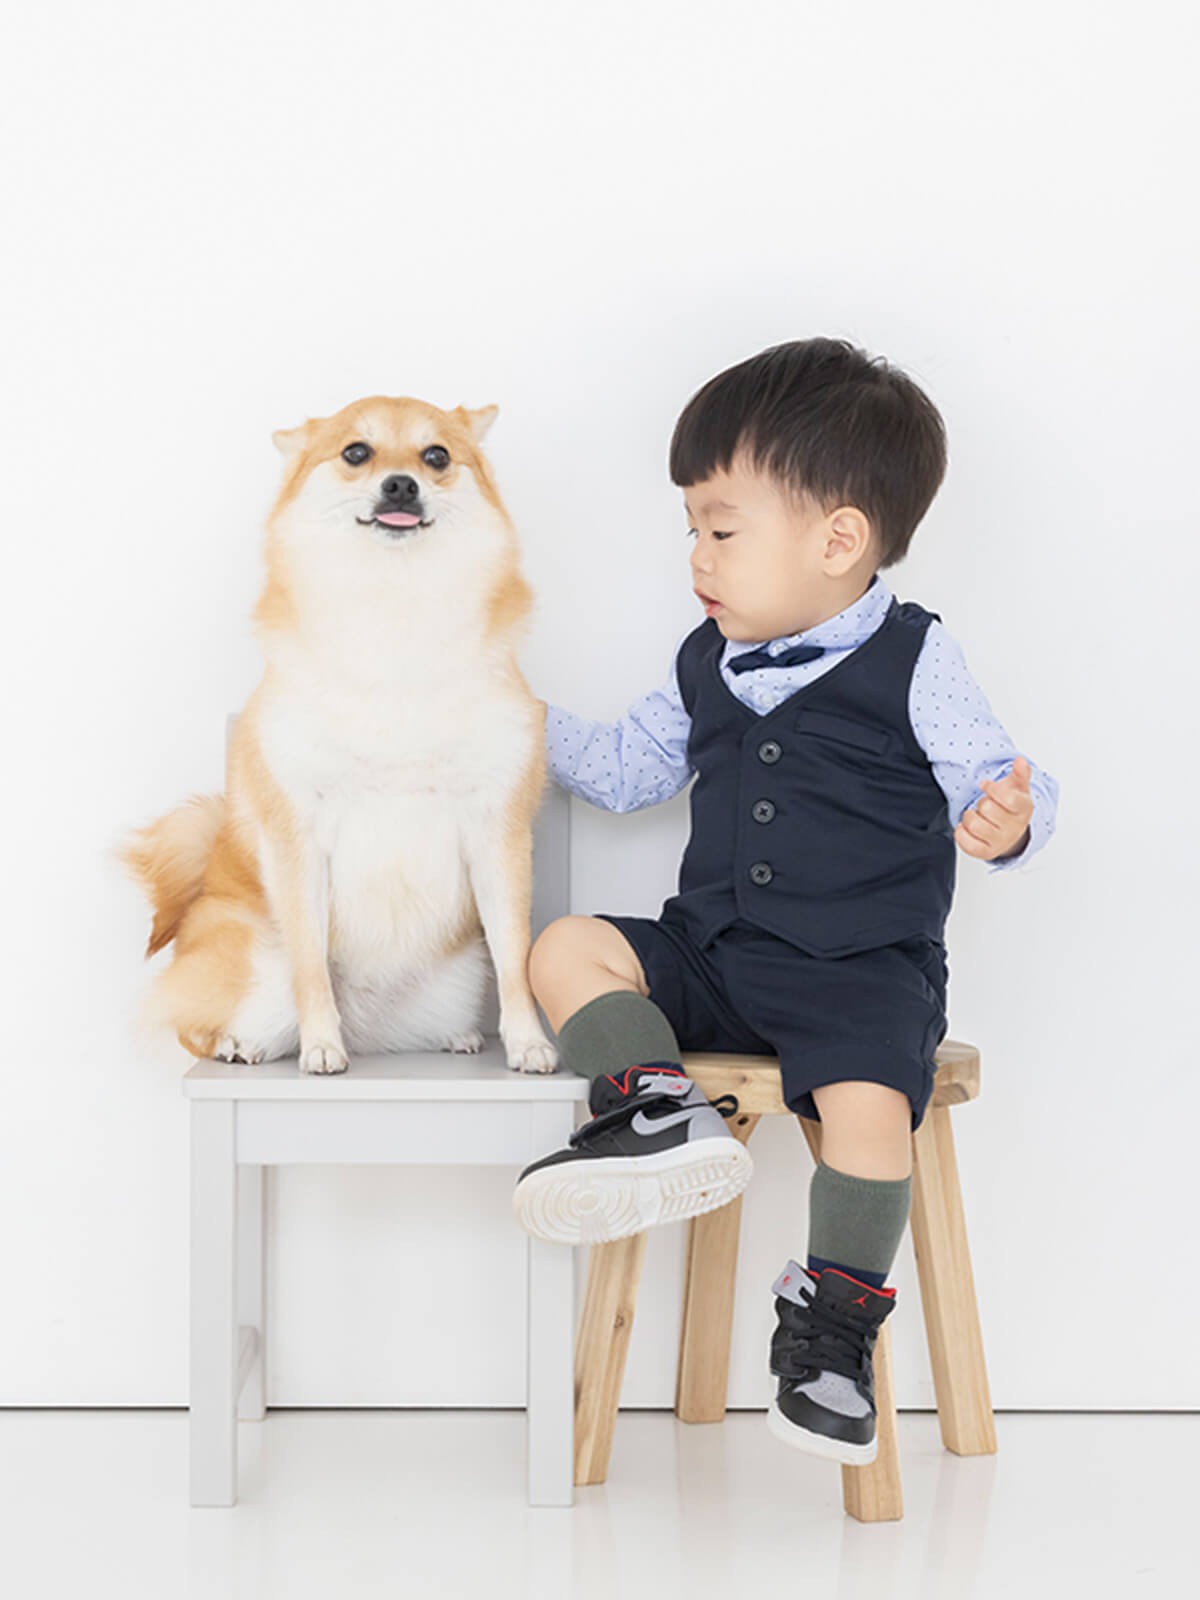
[411,1107]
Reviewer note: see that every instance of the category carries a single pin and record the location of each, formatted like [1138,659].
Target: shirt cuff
[1039,831]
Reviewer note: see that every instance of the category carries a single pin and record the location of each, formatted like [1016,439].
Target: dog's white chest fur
[390,784]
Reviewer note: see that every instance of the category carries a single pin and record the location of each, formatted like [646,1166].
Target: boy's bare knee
[577,957]
[568,942]
[866,1128]
[556,946]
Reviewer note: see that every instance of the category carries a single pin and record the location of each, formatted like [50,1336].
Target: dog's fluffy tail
[169,857]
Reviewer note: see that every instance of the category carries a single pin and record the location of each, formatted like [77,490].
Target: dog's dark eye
[437,457]
[357,453]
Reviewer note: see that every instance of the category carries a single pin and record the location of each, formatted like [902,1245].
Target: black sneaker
[655,1151]
[821,1352]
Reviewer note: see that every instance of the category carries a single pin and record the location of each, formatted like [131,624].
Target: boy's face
[773,568]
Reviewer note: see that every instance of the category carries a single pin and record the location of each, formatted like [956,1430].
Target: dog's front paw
[322,1056]
[470,1042]
[534,1055]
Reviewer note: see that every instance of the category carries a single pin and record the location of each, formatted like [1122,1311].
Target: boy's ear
[851,532]
[290,441]
[478,422]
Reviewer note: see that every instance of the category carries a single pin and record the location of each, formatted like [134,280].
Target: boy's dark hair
[823,419]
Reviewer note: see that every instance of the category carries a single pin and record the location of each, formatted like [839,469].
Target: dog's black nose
[399,487]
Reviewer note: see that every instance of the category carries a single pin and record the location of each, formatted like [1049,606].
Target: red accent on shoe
[887,1293]
[623,1087]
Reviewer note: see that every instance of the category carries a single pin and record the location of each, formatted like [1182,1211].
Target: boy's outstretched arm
[638,761]
[1003,805]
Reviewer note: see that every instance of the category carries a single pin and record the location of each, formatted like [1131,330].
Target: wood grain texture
[706,1320]
[755,1079]
[939,1235]
[602,1343]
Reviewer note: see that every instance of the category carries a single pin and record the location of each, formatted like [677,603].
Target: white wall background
[223,218]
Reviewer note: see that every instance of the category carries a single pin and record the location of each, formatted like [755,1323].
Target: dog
[382,778]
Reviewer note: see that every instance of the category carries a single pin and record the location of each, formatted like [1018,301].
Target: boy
[835,733]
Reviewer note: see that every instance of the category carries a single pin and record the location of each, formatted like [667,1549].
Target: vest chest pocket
[825,726]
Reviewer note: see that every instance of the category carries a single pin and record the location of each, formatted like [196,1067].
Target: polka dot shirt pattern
[641,759]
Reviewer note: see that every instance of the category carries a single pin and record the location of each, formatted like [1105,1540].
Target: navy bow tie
[749,659]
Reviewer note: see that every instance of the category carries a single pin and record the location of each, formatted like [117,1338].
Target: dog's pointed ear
[478,422]
[289,441]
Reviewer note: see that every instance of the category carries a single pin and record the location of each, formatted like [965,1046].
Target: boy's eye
[355,454]
[716,534]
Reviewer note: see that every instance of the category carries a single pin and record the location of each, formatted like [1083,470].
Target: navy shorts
[875,1014]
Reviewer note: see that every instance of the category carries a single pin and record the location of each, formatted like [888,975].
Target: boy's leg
[578,958]
[861,1191]
[831,1311]
[655,1149]
[858,1034]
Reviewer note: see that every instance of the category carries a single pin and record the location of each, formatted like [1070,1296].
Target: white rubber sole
[593,1201]
[816,1444]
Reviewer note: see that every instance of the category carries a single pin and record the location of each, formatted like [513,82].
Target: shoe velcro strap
[620,1116]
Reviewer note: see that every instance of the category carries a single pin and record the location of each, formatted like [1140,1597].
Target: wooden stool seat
[871,1493]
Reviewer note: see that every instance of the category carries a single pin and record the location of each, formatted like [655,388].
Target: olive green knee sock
[616,1030]
[856,1223]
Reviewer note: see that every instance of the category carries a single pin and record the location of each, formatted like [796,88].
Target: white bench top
[406,1075]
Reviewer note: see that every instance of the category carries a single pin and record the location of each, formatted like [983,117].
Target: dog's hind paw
[227,1048]
[470,1043]
[539,1056]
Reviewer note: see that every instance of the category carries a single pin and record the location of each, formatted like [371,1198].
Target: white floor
[430,1503]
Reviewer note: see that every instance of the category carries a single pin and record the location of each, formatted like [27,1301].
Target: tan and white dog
[383,776]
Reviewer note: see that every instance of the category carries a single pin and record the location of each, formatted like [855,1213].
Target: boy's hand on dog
[998,824]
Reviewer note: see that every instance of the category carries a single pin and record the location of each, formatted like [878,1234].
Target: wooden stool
[871,1493]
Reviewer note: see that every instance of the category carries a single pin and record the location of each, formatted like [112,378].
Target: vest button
[762,872]
[769,751]
[763,811]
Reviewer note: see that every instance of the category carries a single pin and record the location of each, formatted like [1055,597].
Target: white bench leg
[252,1288]
[550,1344]
[212,1425]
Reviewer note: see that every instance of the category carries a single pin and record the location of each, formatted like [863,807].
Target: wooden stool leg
[939,1234]
[872,1493]
[605,1324]
[702,1376]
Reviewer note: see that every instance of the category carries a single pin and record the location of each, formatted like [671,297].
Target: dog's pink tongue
[398,519]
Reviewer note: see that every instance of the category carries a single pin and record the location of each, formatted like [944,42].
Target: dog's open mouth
[395,522]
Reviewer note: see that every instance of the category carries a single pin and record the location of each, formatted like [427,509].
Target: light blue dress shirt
[642,759]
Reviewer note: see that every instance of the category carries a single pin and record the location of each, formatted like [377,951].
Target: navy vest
[820,821]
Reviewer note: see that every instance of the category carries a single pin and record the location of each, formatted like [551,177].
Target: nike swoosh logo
[641,1123]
